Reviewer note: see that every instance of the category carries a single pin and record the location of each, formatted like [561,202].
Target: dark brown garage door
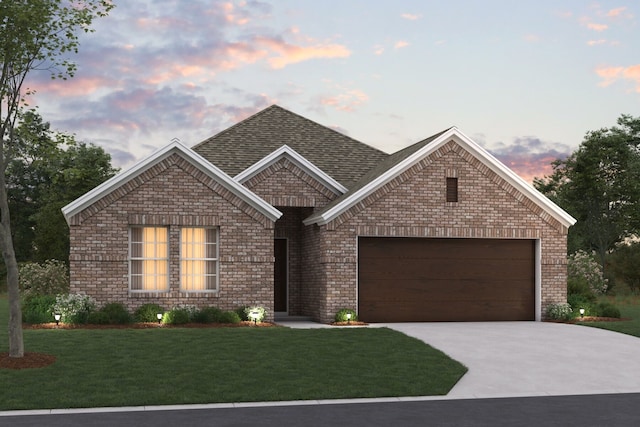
[426,280]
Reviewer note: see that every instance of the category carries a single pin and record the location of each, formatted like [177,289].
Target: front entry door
[280,270]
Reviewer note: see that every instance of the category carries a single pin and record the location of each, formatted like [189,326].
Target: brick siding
[173,193]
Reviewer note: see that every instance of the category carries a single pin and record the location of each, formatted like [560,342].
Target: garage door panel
[411,279]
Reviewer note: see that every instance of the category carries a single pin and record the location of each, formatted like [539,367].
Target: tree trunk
[16,342]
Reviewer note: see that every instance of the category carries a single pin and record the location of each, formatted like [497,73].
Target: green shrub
[38,309]
[98,318]
[112,314]
[341,315]
[74,308]
[242,313]
[606,309]
[208,315]
[559,312]
[230,317]
[148,313]
[48,278]
[252,312]
[586,301]
[177,316]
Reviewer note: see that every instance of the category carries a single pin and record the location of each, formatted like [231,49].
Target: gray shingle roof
[240,146]
[386,164]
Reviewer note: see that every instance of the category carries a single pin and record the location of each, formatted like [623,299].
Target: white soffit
[289,153]
[143,165]
[467,143]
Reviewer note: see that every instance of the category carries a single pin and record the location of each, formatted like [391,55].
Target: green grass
[164,366]
[629,309]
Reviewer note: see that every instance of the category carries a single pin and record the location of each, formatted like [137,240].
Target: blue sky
[525,79]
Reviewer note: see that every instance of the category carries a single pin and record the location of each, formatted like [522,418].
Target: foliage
[38,308]
[229,317]
[48,278]
[341,315]
[599,185]
[74,308]
[48,171]
[178,316]
[584,272]
[623,265]
[242,313]
[111,314]
[606,309]
[148,313]
[34,34]
[585,301]
[208,315]
[254,313]
[559,312]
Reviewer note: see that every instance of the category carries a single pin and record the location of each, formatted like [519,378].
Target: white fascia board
[143,165]
[289,153]
[466,142]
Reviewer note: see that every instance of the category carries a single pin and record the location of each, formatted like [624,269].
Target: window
[452,189]
[198,259]
[149,259]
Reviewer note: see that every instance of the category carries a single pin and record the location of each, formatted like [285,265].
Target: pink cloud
[78,86]
[614,13]
[611,75]
[597,27]
[400,44]
[532,38]
[348,100]
[378,50]
[290,54]
[596,42]
[411,16]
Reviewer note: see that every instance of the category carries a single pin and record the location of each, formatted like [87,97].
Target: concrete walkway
[517,359]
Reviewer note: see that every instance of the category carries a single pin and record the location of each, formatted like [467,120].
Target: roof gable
[286,152]
[175,147]
[239,147]
[399,162]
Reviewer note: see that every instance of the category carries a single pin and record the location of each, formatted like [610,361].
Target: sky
[524,79]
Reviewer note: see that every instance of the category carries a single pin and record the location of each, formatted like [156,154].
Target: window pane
[149,259]
[198,259]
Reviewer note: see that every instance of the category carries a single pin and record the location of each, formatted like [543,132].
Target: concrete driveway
[510,359]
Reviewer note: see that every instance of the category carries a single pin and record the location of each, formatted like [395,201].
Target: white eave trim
[484,156]
[290,154]
[201,163]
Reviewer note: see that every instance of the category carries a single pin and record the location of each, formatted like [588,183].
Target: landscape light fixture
[348,317]
[159,316]
[581,313]
[254,315]
[57,317]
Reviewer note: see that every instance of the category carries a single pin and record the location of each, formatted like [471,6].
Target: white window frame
[133,259]
[215,260]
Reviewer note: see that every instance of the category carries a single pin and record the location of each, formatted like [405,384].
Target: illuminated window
[198,259]
[149,259]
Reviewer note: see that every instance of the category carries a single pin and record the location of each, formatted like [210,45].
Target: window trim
[132,259]
[216,260]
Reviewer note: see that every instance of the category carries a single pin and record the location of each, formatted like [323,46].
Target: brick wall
[173,193]
[414,205]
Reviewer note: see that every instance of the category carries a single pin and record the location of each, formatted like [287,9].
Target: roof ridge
[236,124]
[278,107]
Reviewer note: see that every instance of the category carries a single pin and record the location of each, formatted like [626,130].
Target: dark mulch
[28,361]
[352,323]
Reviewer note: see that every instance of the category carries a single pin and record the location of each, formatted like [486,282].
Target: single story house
[282,212]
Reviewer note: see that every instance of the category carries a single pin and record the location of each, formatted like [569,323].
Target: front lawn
[629,309]
[166,366]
